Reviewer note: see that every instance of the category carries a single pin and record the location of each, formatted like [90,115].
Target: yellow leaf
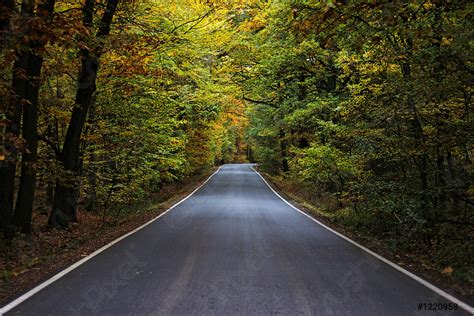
[447,271]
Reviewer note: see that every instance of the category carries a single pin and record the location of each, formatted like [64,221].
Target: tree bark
[66,193]
[91,197]
[26,192]
[12,114]
[418,133]
[283,150]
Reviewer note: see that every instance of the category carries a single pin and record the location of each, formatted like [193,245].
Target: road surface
[233,248]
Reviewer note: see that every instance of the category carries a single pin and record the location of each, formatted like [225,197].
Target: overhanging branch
[268,103]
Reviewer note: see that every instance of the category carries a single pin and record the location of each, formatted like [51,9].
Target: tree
[10,124]
[25,87]
[65,196]
[36,43]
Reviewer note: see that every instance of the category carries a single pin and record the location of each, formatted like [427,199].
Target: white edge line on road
[432,287]
[59,275]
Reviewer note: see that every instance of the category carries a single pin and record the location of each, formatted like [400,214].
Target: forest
[362,109]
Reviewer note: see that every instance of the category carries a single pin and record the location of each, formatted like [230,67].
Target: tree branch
[195,21]
[51,144]
[268,103]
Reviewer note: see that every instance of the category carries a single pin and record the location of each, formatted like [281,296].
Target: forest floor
[416,262]
[30,260]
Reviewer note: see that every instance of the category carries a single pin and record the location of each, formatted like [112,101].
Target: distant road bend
[233,248]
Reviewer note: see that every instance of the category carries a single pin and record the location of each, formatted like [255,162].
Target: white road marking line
[59,275]
[432,287]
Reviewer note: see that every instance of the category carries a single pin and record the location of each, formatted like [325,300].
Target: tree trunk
[65,197]
[66,193]
[418,133]
[7,166]
[26,192]
[284,151]
[91,198]
[10,144]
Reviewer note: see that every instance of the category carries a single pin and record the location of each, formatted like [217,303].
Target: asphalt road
[233,248]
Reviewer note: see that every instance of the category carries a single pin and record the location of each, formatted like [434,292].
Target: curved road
[233,248]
